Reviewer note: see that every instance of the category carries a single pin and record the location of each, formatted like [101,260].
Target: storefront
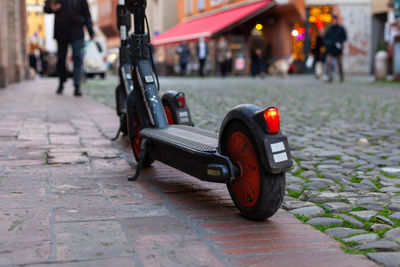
[263,25]
[305,35]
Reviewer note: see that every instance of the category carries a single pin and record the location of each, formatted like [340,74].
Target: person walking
[224,54]
[334,39]
[70,17]
[202,52]
[319,52]
[184,56]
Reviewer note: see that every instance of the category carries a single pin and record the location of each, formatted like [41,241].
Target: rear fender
[273,148]
[181,115]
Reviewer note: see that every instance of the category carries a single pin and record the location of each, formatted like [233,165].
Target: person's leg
[201,70]
[329,66]
[61,68]
[339,60]
[77,58]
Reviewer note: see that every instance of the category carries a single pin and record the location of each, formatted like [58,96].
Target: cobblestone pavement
[346,145]
[65,199]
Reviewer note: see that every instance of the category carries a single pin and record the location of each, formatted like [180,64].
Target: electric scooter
[250,154]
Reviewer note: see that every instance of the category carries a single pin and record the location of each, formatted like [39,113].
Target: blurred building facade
[162,15]
[268,27]
[13,54]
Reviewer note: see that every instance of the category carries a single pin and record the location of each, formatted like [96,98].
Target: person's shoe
[78,92]
[60,90]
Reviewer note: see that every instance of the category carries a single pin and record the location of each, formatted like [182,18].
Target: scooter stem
[138,8]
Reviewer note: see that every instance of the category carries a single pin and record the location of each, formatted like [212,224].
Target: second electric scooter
[250,154]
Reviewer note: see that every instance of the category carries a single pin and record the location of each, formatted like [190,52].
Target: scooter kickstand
[117,136]
[142,156]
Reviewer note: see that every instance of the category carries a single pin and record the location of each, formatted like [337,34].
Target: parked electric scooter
[250,154]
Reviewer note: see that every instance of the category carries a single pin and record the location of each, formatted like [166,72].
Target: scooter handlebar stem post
[138,8]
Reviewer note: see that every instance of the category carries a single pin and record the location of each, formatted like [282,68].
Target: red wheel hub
[168,113]
[246,186]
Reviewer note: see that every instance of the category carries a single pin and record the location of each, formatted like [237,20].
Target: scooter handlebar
[135,5]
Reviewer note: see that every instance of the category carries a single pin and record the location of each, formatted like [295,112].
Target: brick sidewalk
[65,199]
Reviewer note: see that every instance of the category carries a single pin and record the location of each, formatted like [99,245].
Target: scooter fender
[273,148]
[181,115]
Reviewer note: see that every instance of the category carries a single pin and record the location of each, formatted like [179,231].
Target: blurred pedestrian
[70,17]
[202,52]
[257,46]
[334,39]
[184,56]
[224,55]
[319,54]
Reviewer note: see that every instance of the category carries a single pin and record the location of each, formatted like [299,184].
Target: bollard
[381,65]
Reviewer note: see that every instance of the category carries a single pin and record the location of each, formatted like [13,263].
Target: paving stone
[390,189]
[338,206]
[364,214]
[363,238]
[291,205]
[294,188]
[381,245]
[351,220]
[378,226]
[95,239]
[324,221]
[395,215]
[393,234]
[383,219]
[394,207]
[313,211]
[342,232]
[388,259]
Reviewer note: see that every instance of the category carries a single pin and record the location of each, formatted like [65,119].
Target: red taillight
[271,116]
[181,101]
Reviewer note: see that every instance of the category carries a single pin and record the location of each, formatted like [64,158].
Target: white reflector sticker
[280,157]
[149,79]
[277,147]
[183,114]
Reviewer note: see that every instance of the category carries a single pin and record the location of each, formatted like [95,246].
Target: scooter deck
[191,150]
[185,136]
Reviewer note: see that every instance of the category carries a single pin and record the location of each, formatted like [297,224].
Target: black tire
[120,98]
[102,75]
[137,141]
[257,193]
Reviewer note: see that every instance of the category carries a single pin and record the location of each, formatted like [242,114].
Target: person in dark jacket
[334,39]
[70,17]
[184,56]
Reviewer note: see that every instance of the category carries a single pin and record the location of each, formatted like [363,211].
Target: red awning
[210,25]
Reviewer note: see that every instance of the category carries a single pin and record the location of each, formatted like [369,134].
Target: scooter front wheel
[256,192]
[137,140]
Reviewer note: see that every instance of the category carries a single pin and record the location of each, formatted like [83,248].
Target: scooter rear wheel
[256,193]
[137,140]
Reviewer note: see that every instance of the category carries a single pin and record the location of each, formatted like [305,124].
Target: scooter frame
[143,101]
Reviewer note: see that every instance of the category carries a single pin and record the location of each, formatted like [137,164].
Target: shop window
[200,5]
[188,7]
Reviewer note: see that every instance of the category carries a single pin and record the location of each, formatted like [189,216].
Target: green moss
[388,175]
[356,251]
[294,194]
[355,180]
[302,218]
